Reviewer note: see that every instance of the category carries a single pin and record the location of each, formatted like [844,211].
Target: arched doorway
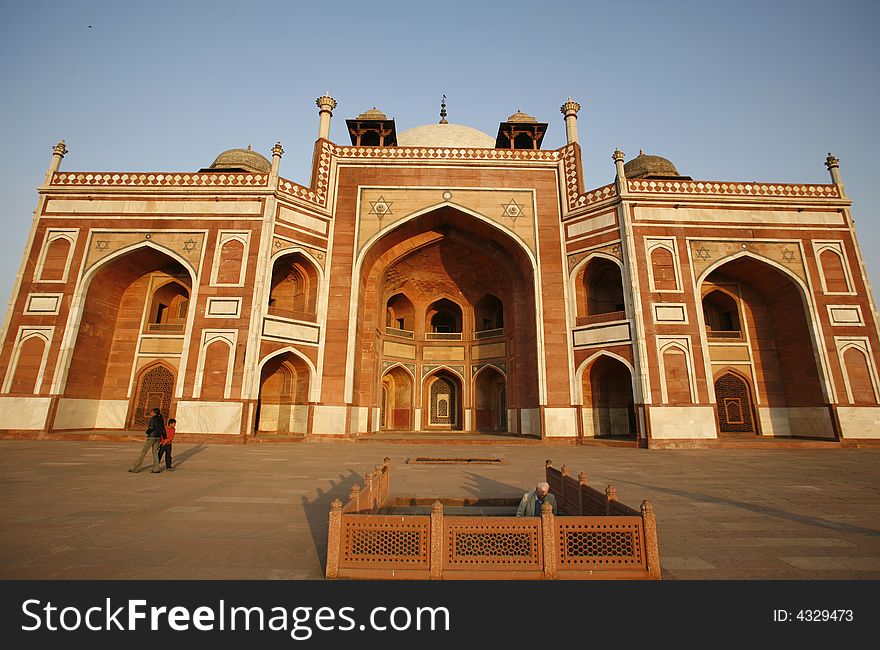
[490,400]
[397,401]
[284,393]
[133,315]
[609,407]
[470,286]
[443,401]
[155,389]
[736,411]
[759,314]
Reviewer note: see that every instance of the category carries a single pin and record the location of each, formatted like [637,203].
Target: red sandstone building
[441,279]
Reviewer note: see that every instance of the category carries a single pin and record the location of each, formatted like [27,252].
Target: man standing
[531,503]
[155,432]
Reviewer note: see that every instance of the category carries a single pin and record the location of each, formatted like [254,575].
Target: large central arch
[447,288]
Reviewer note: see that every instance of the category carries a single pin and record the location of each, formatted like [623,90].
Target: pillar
[570,110]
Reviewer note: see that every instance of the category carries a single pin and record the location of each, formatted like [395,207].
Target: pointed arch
[314,391]
[607,399]
[469,221]
[823,387]
[72,332]
[735,402]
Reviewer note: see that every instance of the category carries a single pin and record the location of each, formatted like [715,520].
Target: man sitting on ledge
[531,503]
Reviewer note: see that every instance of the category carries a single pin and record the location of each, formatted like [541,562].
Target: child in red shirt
[165,447]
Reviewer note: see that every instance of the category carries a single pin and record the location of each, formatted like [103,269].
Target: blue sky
[745,91]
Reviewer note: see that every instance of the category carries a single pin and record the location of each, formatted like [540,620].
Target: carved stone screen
[734,405]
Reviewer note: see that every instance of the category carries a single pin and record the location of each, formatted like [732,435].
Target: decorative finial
[641,153]
[60,148]
[277,150]
[249,148]
[569,108]
[443,111]
[831,161]
[326,100]
[617,156]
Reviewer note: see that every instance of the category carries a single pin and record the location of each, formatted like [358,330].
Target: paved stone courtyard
[70,510]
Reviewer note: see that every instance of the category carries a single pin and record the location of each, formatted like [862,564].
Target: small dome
[242,159]
[372,114]
[645,165]
[445,135]
[519,116]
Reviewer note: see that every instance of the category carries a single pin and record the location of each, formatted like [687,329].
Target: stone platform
[70,510]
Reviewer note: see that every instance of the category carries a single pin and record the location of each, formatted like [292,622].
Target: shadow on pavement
[317,510]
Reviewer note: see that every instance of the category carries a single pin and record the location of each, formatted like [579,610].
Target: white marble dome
[445,135]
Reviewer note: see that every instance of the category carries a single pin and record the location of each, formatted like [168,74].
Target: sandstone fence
[593,536]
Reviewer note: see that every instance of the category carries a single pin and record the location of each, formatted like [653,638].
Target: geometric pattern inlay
[734,405]
[607,544]
[156,389]
[398,543]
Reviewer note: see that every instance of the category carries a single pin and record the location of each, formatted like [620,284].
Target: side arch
[314,391]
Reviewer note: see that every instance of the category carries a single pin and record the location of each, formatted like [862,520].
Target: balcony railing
[166,328]
[488,334]
[402,333]
[601,318]
[291,314]
[723,334]
[443,336]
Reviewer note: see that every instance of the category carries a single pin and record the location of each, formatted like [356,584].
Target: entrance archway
[139,295]
[490,400]
[760,313]
[470,288]
[397,402]
[284,393]
[609,407]
[443,401]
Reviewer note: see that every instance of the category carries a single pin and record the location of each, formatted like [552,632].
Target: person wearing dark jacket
[155,433]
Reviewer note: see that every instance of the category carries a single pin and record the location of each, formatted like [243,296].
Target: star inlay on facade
[703,253]
[615,250]
[380,207]
[190,245]
[512,209]
[788,255]
[101,245]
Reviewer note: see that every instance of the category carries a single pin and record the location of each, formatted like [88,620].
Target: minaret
[620,181]
[833,165]
[570,110]
[58,152]
[326,104]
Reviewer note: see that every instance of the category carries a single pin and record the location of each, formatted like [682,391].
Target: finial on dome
[617,156]
[641,153]
[443,111]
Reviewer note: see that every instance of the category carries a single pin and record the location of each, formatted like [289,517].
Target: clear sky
[738,91]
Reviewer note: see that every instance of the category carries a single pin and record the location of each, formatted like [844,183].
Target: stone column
[570,110]
[334,530]
[58,152]
[326,104]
